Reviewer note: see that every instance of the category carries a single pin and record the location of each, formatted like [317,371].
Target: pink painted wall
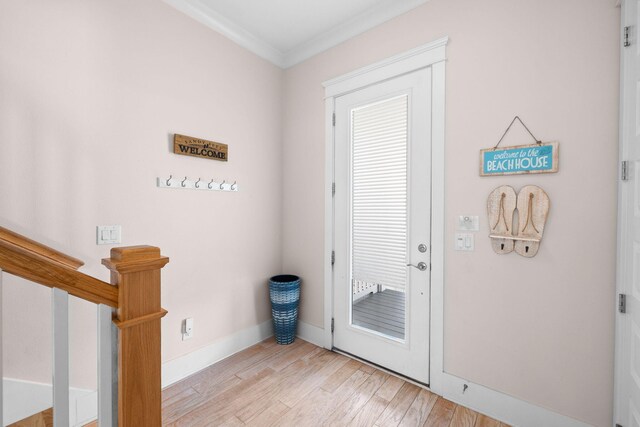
[90,94]
[539,329]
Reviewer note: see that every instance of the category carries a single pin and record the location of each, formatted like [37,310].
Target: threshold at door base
[382,368]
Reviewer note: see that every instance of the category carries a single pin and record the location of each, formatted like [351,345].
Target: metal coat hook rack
[185,183]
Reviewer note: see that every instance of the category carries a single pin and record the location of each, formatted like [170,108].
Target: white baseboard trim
[25,398]
[503,407]
[184,366]
[310,333]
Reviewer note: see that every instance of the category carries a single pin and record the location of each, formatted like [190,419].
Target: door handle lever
[422,266]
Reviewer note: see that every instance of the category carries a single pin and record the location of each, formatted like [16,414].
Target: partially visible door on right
[627,400]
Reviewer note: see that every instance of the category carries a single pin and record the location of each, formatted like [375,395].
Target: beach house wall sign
[522,159]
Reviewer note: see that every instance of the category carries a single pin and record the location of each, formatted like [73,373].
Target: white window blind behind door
[379,137]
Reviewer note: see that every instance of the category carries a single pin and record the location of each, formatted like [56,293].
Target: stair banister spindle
[60,308]
[1,357]
[107,368]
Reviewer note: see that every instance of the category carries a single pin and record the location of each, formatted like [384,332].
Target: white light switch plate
[108,234]
[464,242]
[469,223]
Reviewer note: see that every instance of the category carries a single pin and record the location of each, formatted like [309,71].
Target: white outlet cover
[187,328]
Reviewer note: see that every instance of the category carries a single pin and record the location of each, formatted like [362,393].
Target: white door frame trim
[429,55]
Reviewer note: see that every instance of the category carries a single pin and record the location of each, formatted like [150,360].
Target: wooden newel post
[136,272]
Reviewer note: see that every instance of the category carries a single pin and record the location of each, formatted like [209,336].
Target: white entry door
[382,223]
[627,401]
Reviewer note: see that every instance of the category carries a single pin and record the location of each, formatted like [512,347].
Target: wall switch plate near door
[464,242]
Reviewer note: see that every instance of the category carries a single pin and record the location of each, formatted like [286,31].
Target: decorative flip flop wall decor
[501,205]
[525,234]
[533,205]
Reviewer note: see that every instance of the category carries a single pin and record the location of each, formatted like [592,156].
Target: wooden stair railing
[135,294]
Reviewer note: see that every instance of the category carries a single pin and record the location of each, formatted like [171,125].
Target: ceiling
[287,32]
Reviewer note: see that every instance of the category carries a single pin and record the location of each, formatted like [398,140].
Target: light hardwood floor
[304,385]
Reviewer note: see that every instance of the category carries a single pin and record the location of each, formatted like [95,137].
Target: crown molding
[347,30]
[229,29]
[333,37]
[413,59]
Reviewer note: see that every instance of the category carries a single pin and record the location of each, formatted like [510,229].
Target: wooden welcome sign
[196,147]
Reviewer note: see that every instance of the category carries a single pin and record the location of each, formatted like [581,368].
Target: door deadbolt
[422,247]
[422,266]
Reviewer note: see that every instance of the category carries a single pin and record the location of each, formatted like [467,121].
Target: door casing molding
[429,55]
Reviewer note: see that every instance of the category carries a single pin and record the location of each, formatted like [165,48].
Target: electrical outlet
[187,328]
[469,222]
